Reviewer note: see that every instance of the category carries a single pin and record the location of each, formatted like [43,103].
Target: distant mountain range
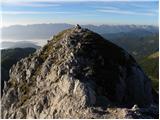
[45,31]
[136,43]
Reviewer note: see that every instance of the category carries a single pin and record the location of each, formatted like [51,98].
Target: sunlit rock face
[77,74]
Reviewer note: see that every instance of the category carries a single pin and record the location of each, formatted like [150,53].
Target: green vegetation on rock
[150,65]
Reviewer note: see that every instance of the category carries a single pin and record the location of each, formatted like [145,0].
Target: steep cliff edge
[77,74]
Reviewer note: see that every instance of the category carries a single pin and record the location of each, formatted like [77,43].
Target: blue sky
[79,11]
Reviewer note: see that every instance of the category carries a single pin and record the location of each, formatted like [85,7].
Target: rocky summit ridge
[78,74]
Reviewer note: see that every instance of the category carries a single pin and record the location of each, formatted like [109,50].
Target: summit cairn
[78,26]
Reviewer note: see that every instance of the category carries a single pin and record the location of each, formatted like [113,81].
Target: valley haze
[40,33]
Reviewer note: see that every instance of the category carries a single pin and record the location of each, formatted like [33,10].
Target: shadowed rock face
[75,74]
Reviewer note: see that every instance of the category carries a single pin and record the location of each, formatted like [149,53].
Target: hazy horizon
[39,33]
[83,24]
[112,12]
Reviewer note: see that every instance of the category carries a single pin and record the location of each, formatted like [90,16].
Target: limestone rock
[77,74]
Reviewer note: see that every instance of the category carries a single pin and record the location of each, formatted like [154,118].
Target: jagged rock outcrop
[77,74]
[10,57]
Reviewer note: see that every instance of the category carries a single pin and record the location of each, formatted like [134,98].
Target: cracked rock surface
[78,74]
